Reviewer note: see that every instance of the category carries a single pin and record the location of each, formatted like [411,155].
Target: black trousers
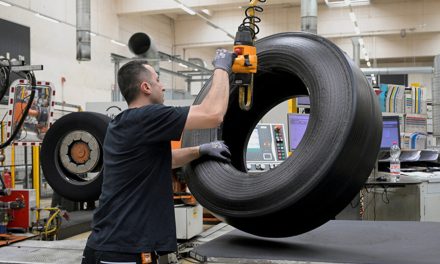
[91,256]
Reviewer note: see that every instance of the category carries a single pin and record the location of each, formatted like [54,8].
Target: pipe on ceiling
[143,46]
[83,39]
[309,16]
[356,51]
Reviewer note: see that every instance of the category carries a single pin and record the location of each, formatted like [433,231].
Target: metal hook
[246,96]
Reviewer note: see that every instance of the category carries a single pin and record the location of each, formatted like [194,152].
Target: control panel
[266,148]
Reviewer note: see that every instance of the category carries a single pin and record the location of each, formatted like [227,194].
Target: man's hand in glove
[216,150]
[224,60]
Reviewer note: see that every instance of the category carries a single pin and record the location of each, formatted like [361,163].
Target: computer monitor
[297,124]
[303,101]
[390,132]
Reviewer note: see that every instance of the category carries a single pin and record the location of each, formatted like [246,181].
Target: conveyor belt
[334,242]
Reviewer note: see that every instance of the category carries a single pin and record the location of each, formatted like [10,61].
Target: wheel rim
[79,154]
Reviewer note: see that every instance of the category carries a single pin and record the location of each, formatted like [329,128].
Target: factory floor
[69,251]
[81,238]
[375,242]
[77,242]
[84,236]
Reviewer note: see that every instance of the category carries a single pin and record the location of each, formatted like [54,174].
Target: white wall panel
[54,45]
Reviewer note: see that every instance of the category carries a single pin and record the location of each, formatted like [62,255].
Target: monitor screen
[297,124]
[391,132]
[304,100]
[254,140]
[260,145]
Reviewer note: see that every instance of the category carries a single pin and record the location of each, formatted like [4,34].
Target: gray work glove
[216,150]
[224,60]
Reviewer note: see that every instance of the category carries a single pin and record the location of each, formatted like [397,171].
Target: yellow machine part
[240,65]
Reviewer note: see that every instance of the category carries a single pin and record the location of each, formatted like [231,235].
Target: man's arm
[216,150]
[210,113]
[184,156]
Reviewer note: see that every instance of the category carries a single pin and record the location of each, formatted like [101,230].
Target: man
[135,218]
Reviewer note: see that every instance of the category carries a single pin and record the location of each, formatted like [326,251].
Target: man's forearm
[218,96]
[184,156]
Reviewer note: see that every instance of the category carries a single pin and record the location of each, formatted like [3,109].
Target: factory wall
[54,45]
[396,33]
[93,81]
[381,24]
[160,28]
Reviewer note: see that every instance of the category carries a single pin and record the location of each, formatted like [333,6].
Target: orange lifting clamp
[245,65]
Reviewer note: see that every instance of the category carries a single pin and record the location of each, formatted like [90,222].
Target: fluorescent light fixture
[187,9]
[337,3]
[196,69]
[47,18]
[5,4]
[369,64]
[361,42]
[359,2]
[118,43]
[207,11]
[357,30]
[343,3]
[352,17]
[183,65]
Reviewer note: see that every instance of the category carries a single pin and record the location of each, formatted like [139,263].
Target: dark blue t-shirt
[136,212]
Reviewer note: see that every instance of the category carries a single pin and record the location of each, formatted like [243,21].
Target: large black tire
[64,182]
[333,160]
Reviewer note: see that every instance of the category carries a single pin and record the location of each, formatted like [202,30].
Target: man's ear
[145,88]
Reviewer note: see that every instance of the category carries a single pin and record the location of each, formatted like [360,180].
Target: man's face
[156,88]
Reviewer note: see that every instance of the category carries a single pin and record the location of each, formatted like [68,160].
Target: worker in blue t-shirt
[134,221]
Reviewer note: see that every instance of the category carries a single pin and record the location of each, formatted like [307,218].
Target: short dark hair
[130,77]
